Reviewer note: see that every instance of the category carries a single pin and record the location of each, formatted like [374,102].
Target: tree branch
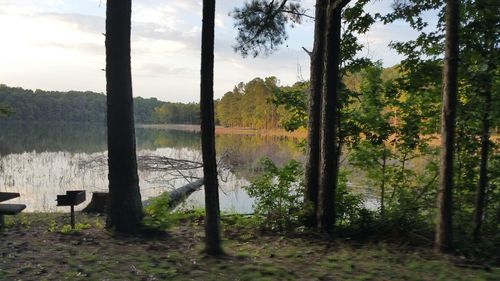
[307,51]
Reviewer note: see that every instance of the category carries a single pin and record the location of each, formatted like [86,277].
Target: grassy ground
[32,247]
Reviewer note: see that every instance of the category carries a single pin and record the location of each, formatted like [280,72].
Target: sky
[59,45]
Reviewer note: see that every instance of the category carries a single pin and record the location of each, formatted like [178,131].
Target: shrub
[350,208]
[278,195]
[157,215]
[67,229]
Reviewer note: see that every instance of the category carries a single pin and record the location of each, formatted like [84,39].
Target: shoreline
[299,134]
[220,130]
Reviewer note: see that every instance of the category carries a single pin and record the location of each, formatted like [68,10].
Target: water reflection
[42,160]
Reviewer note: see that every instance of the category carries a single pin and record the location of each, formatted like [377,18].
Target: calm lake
[42,160]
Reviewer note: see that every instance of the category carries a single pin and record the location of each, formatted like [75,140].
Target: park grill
[71,198]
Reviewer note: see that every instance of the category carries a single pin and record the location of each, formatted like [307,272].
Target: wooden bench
[9,209]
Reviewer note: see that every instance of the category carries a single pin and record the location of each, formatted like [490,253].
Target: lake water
[42,160]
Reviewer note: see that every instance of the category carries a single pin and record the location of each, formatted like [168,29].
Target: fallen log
[176,197]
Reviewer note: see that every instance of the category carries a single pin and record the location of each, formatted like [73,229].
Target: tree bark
[443,238]
[483,168]
[311,180]
[212,229]
[328,163]
[125,207]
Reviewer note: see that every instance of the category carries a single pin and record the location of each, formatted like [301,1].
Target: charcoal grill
[71,198]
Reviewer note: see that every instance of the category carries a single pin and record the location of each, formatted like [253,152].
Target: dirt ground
[40,247]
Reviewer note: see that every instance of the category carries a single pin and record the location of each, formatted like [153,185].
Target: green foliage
[278,195]
[492,217]
[176,113]
[478,92]
[76,106]
[196,215]
[350,208]
[5,111]
[356,20]
[293,101]
[99,224]
[261,25]
[20,220]
[249,105]
[68,230]
[157,215]
[52,226]
[391,123]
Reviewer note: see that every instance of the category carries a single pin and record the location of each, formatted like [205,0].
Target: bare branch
[307,51]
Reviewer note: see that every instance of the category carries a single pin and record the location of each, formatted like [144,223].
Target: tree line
[262,103]
[73,106]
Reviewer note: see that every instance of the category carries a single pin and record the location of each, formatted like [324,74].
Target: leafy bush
[52,226]
[67,229]
[350,208]
[157,216]
[278,195]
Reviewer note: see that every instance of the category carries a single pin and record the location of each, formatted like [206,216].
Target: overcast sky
[58,45]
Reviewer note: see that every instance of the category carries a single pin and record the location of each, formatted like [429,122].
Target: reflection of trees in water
[19,137]
[148,138]
[242,152]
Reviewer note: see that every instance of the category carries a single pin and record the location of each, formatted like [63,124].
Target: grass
[30,252]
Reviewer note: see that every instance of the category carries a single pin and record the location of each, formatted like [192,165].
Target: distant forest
[264,104]
[261,103]
[73,106]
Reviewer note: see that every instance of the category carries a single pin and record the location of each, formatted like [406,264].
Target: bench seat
[4,196]
[11,209]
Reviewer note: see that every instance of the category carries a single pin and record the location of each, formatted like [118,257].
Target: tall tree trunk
[125,207]
[443,239]
[212,229]
[483,168]
[328,172]
[314,112]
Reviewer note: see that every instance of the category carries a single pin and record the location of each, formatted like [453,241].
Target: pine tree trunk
[125,207]
[314,112]
[483,168]
[443,239]
[212,229]
[328,163]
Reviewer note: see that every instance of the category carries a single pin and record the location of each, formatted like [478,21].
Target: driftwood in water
[177,196]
